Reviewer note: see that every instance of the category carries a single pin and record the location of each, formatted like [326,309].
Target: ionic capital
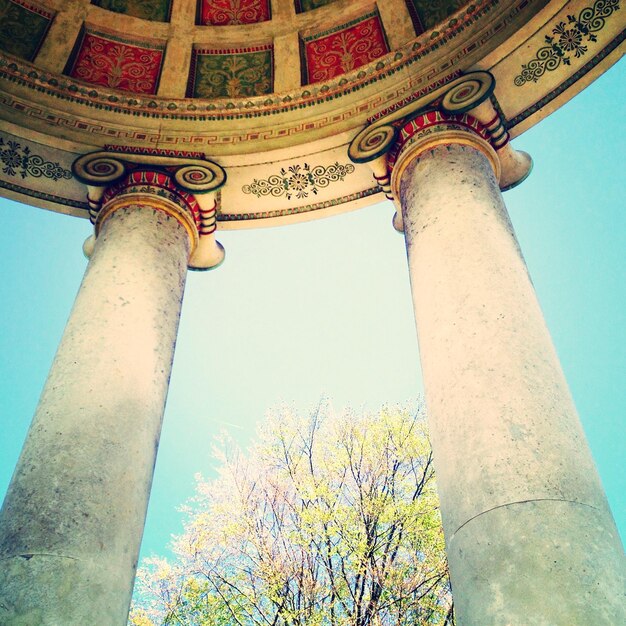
[460,112]
[432,129]
[182,187]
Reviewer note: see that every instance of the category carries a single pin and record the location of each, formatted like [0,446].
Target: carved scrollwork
[566,39]
[372,142]
[468,93]
[459,96]
[102,169]
[99,169]
[200,178]
[299,180]
[16,159]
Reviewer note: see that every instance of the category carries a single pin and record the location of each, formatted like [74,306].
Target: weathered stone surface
[529,534]
[73,518]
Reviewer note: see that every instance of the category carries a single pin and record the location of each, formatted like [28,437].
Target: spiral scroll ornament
[99,169]
[372,142]
[469,93]
[200,178]
[180,185]
[299,180]
[572,37]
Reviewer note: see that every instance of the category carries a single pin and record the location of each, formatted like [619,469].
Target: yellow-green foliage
[328,520]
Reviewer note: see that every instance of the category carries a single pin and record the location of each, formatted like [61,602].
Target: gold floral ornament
[16,159]
[568,38]
[298,180]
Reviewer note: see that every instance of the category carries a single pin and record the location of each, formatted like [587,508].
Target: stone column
[72,521]
[530,538]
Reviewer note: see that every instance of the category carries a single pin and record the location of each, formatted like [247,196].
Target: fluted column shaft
[529,534]
[73,517]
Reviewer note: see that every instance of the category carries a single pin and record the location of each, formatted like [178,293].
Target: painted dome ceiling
[263,86]
[211,48]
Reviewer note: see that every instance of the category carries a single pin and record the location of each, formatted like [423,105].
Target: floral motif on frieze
[426,14]
[112,63]
[18,160]
[226,12]
[22,28]
[299,180]
[566,39]
[308,5]
[231,73]
[344,49]
[155,10]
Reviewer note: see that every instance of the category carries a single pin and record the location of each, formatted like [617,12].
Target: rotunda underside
[162,121]
[274,92]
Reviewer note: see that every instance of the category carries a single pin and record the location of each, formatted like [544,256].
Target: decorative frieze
[320,206]
[571,38]
[18,160]
[299,180]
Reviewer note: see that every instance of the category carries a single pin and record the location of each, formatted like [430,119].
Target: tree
[328,520]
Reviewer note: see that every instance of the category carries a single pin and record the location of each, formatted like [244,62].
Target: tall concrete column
[72,521]
[530,538]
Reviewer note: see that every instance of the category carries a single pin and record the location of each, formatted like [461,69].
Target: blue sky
[324,308]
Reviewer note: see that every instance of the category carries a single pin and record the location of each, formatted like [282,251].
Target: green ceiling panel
[22,28]
[309,5]
[426,14]
[155,10]
[231,73]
